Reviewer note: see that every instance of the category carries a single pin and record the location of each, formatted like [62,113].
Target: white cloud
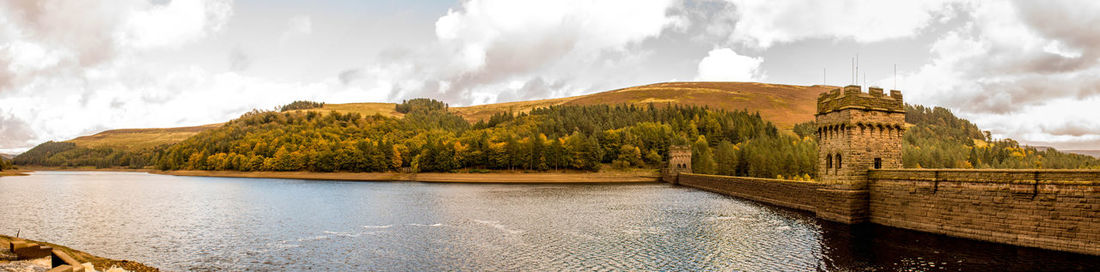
[298,26]
[764,23]
[69,68]
[1015,70]
[723,64]
[174,24]
[489,42]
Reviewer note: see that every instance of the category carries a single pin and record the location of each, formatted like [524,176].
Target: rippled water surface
[200,223]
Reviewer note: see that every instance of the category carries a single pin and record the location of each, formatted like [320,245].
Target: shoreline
[13,172]
[602,177]
[100,263]
[507,177]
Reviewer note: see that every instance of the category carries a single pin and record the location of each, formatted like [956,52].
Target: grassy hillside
[432,138]
[784,105]
[365,109]
[140,138]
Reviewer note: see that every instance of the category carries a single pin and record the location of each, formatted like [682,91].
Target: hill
[6,156]
[1094,153]
[784,105]
[139,138]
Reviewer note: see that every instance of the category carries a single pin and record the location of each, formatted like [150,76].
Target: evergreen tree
[702,159]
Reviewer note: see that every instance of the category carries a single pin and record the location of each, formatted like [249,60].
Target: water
[203,224]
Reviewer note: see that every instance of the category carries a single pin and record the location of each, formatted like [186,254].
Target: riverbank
[100,263]
[9,172]
[603,176]
[613,176]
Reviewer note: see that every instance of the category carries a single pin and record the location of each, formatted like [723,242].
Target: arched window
[829,161]
[838,161]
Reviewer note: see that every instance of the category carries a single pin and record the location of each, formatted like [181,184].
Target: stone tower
[856,131]
[679,159]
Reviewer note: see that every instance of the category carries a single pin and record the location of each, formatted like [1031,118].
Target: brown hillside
[385,109]
[140,137]
[785,105]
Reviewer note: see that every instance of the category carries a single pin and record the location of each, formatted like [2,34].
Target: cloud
[14,132]
[723,64]
[765,23]
[492,42]
[1018,69]
[149,25]
[238,60]
[297,26]
[349,75]
[68,67]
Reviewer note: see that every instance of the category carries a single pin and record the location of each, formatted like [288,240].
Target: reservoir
[217,224]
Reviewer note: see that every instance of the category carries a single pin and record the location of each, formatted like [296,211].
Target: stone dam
[860,181]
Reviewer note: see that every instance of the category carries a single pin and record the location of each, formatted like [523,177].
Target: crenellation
[850,97]
[875,91]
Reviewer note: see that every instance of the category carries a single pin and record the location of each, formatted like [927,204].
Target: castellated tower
[679,159]
[857,131]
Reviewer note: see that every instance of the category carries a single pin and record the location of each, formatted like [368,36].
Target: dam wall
[1049,209]
[800,195]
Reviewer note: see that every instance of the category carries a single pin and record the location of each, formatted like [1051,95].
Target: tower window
[829,161]
[878,163]
[838,164]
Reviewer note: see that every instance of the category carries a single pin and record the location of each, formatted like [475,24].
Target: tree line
[301,105]
[431,139]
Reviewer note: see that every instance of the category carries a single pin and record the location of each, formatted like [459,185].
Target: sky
[1026,70]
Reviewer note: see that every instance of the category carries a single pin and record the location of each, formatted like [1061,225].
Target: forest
[429,138]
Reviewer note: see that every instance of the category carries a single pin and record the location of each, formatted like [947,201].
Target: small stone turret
[857,131]
[679,159]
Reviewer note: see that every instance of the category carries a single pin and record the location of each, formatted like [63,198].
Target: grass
[385,109]
[483,112]
[784,105]
[130,139]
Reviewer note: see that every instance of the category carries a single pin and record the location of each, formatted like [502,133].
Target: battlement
[850,97]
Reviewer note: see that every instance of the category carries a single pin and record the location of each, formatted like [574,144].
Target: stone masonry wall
[1051,209]
[799,195]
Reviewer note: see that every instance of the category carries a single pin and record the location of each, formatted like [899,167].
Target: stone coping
[1081,177]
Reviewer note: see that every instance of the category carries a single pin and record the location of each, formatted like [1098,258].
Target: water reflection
[194,223]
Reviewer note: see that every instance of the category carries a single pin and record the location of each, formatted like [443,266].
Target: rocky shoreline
[8,262]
